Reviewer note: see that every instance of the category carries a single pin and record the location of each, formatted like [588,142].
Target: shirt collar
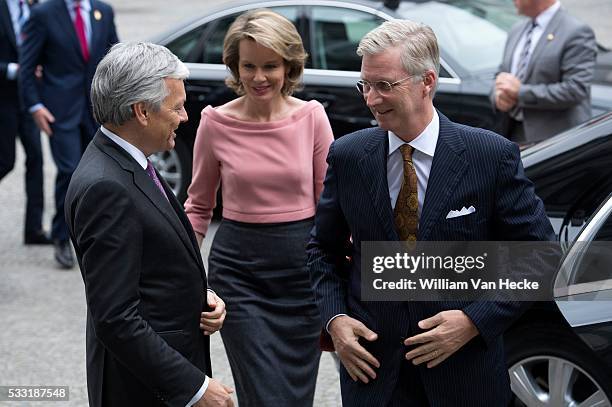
[131,149]
[545,16]
[424,142]
[85,5]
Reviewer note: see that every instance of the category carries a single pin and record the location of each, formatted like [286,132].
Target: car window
[595,263]
[476,43]
[184,45]
[444,73]
[205,43]
[502,13]
[212,49]
[337,32]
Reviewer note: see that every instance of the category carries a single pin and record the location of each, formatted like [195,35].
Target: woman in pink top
[268,150]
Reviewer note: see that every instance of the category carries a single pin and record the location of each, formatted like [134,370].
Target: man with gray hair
[149,311]
[408,180]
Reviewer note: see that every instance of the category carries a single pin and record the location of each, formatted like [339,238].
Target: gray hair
[132,73]
[420,51]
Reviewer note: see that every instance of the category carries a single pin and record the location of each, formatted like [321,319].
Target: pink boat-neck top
[270,171]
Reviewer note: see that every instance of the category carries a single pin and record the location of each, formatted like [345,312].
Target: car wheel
[175,167]
[551,366]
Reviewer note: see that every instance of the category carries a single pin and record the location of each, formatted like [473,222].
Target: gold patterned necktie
[407,205]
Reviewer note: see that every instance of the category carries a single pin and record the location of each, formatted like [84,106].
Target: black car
[471,34]
[560,354]
[572,173]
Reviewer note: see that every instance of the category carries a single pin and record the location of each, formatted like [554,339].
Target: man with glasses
[408,180]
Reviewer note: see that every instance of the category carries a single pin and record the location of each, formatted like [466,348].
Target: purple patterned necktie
[153,175]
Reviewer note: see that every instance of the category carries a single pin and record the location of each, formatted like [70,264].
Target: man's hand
[503,102]
[43,119]
[216,395]
[447,332]
[507,88]
[212,321]
[345,332]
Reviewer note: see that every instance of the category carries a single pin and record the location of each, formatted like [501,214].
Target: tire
[536,352]
[175,167]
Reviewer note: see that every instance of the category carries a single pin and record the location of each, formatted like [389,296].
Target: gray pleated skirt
[271,332]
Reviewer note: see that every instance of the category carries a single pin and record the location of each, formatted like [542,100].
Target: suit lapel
[147,186]
[373,170]
[180,213]
[543,42]
[65,22]
[7,23]
[95,29]
[512,43]
[447,169]
[149,189]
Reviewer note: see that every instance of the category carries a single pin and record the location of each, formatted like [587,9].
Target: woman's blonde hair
[273,31]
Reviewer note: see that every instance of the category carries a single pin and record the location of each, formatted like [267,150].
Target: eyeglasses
[382,87]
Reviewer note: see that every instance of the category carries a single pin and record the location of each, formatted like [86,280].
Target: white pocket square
[464,211]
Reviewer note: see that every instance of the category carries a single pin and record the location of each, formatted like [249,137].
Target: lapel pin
[550,37]
[97,15]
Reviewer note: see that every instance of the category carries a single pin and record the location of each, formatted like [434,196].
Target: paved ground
[42,309]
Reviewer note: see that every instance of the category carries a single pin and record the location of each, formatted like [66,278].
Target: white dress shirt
[85,13]
[142,161]
[424,147]
[542,21]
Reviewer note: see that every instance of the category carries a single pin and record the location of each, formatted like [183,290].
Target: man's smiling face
[395,109]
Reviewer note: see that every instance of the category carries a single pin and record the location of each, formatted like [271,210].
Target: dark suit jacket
[470,167]
[144,281]
[8,54]
[51,41]
[556,92]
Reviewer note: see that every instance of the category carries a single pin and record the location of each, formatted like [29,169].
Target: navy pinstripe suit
[470,167]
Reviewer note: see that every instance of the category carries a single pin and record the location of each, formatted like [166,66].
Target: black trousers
[19,123]
[67,147]
[409,391]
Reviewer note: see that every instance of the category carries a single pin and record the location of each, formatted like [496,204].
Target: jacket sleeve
[519,216]
[35,35]
[327,249]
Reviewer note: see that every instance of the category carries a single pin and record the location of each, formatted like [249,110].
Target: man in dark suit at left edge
[16,121]
[144,277]
[67,38]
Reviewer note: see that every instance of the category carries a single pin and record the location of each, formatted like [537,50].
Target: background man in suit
[17,121]
[398,182]
[144,278]
[68,38]
[544,81]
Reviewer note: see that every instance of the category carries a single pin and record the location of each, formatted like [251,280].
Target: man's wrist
[11,71]
[35,108]
[200,393]
[327,326]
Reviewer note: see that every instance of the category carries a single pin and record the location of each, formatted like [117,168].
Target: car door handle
[197,92]
[325,99]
